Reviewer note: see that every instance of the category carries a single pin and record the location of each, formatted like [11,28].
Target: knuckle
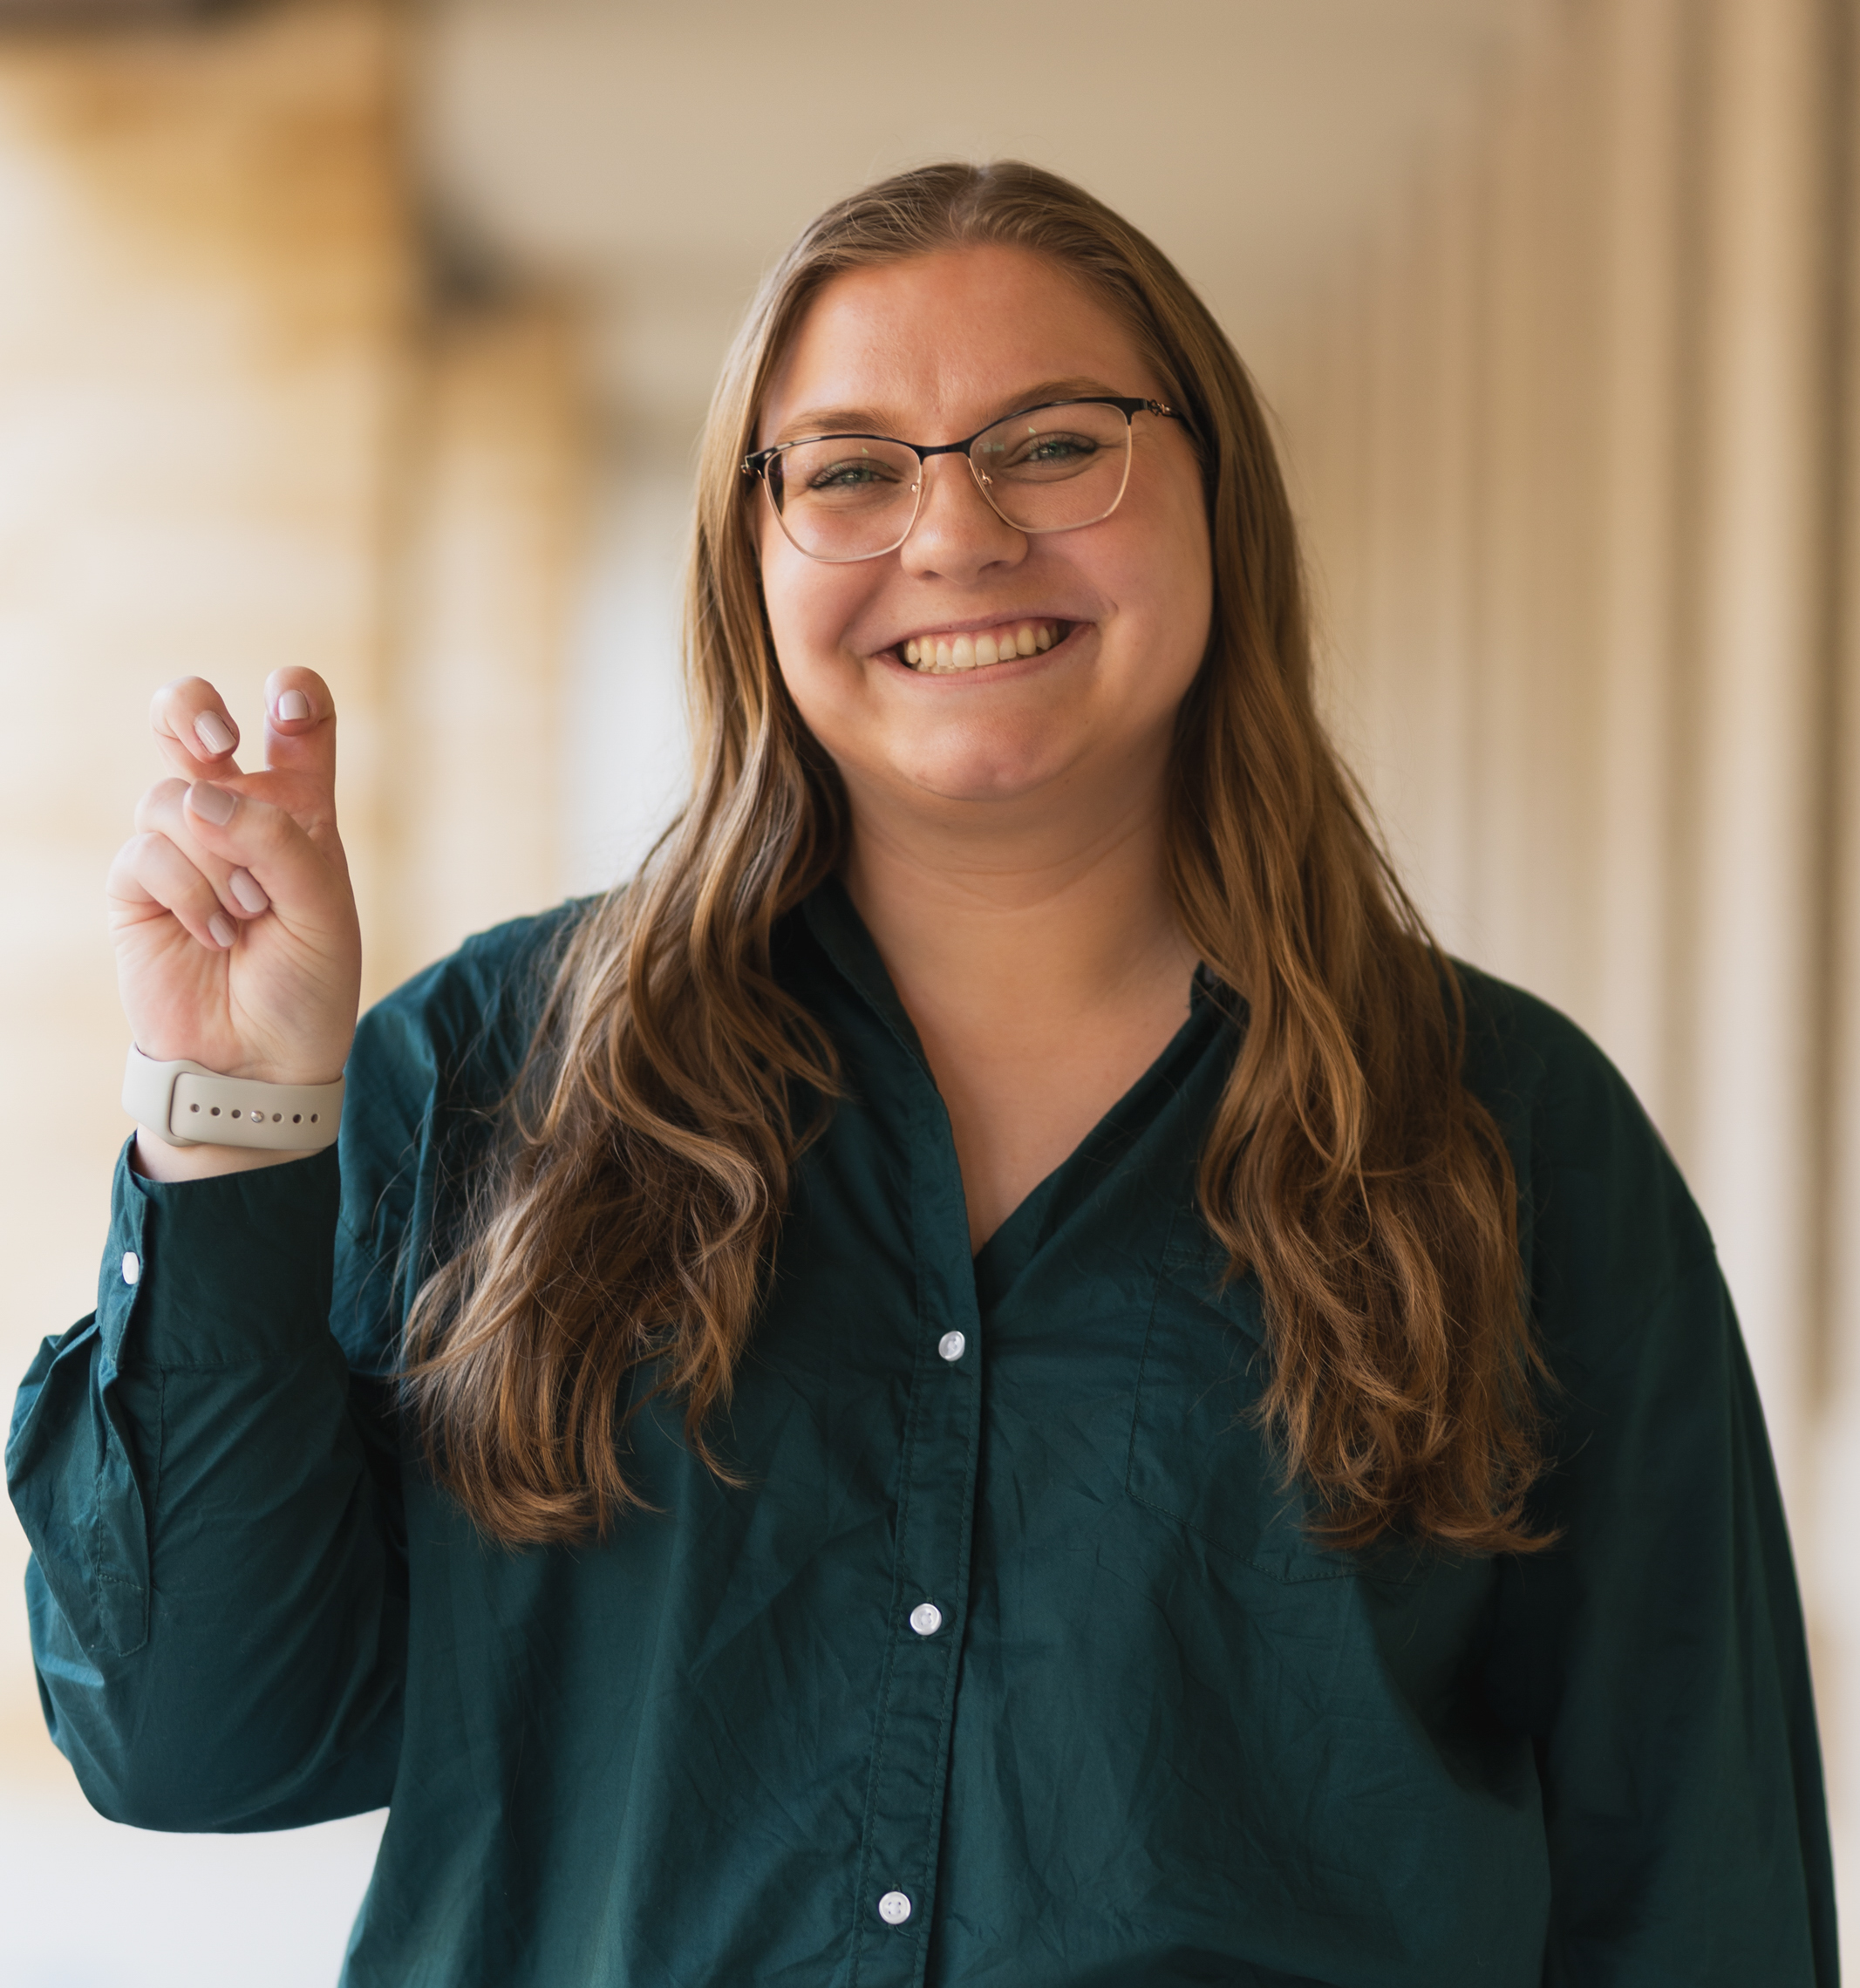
[160,802]
[156,860]
[177,690]
[190,894]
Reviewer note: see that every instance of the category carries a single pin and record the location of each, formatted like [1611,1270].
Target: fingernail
[221,928]
[245,887]
[292,706]
[213,732]
[211,803]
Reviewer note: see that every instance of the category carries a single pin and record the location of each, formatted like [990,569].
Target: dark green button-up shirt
[1009,1664]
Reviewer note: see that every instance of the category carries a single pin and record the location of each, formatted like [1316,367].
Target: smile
[944,654]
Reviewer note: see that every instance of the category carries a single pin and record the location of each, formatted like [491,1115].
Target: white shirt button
[952,1346]
[894,1907]
[132,1266]
[926,1618]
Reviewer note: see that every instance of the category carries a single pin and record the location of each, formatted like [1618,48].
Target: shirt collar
[840,932]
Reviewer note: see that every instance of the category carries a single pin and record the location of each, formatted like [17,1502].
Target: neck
[1037,952]
[995,915]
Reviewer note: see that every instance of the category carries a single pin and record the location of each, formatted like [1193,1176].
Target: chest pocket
[1196,1454]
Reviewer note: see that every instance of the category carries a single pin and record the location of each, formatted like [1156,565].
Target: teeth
[944,656]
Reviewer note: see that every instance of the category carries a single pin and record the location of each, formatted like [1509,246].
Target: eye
[1059,448]
[851,473]
[1056,453]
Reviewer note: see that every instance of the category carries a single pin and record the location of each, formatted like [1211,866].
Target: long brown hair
[634,1212]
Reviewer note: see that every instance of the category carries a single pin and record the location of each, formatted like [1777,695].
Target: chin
[1002,772]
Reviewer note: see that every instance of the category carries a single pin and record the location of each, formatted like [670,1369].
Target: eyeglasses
[1051,469]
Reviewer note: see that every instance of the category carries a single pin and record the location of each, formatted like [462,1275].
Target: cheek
[782,597]
[810,608]
[800,611]
[1171,572]
[1192,576]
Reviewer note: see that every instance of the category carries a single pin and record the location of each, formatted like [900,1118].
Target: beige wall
[472,791]
[1567,432]
[1577,431]
[234,434]
[200,370]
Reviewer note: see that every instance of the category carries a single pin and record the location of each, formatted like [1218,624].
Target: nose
[957,535]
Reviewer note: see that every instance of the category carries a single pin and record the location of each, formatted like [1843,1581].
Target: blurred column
[503,447]
[626,750]
[202,354]
[1320,386]
[1379,384]
[1440,561]
[1535,684]
[1833,1563]
[1749,1135]
[1502,905]
[1645,67]
[1401,453]
[1659,567]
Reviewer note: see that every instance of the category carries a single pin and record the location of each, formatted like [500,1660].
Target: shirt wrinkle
[1156,1737]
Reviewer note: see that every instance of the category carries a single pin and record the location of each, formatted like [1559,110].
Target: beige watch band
[188,1105]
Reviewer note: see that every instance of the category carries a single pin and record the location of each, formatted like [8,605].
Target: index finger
[195,731]
[300,724]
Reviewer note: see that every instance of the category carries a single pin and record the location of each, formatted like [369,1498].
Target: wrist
[184,1105]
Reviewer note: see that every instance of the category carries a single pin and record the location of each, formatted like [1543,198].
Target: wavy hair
[631,1216]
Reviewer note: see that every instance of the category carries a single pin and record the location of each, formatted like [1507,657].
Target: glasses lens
[845,496]
[1057,467]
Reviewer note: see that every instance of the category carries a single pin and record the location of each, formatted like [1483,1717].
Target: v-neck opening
[1046,1207]
[1015,1243]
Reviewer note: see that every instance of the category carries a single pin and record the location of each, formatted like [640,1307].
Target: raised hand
[238,945]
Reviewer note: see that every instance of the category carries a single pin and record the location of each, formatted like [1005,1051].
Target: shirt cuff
[225,1271]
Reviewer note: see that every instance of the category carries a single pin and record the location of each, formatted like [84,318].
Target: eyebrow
[871,421]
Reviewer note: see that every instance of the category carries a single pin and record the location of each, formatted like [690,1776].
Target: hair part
[631,1216]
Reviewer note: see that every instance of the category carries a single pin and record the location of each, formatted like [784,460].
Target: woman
[995,1374]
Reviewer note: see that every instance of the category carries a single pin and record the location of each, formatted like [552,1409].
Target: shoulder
[1524,1056]
[476,1008]
[1605,1220]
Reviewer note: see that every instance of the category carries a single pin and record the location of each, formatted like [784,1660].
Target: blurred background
[375,337]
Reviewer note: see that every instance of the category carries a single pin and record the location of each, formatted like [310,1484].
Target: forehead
[935,346]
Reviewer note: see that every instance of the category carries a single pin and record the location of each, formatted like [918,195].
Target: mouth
[947,655]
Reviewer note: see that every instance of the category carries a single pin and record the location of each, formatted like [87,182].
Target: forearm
[216,1603]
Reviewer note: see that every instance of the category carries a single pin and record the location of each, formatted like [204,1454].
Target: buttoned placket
[896,1878]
